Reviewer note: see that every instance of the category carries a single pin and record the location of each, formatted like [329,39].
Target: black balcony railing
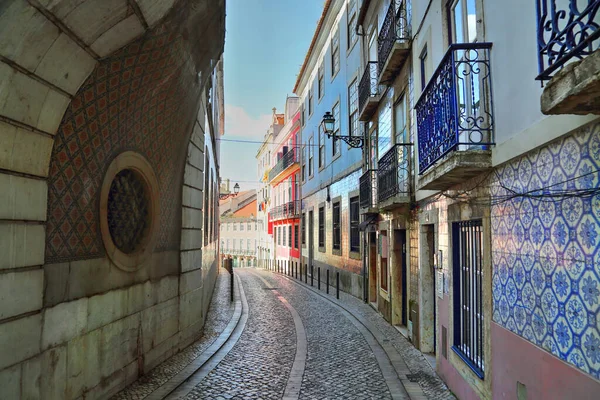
[566,29]
[393,173]
[368,86]
[394,29]
[455,109]
[368,189]
[291,209]
[288,159]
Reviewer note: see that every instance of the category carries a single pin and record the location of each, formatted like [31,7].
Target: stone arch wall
[63,59]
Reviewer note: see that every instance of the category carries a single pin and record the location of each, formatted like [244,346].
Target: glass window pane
[458,23]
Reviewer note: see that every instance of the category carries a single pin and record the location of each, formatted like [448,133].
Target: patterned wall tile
[143,98]
[546,258]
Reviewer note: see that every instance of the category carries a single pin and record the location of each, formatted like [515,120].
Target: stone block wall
[73,324]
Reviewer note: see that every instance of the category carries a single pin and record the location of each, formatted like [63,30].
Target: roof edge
[312,44]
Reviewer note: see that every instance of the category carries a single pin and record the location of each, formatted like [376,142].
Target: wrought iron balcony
[369,92]
[568,32]
[566,29]
[288,161]
[455,114]
[288,210]
[393,42]
[393,176]
[368,189]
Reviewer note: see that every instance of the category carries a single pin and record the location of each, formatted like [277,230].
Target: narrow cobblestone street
[295,342]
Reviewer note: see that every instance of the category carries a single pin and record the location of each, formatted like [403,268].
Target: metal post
[319,278]
[337,285]
[305,273]
[328,281]
[312,274]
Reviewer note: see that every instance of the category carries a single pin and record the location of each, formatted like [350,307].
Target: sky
[265,45]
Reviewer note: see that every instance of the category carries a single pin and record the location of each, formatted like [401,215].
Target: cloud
[239,124]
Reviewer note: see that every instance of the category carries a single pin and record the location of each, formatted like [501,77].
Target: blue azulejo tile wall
[546,248]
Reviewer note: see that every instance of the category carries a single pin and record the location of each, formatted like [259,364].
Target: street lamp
[236,191]
[328,126]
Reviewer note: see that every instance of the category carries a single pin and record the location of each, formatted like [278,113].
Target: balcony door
[470,77]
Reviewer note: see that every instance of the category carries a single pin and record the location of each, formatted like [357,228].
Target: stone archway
[69,105]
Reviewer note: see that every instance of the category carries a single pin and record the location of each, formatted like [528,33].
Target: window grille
[321,227]
[336,226]
[354,222]
[468,293]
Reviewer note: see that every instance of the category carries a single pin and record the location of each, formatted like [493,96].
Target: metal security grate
[468,293]
[128,211]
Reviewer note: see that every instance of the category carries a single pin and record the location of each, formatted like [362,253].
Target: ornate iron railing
[566,29]
[368,86]
[393,173]
[288,159]
[395,28]
[238,252]
[455,110]
[287,210]
[368,189]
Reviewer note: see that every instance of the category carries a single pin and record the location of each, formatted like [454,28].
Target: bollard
[319,278]
[300,272]
[337,285]
[312,275]
[296,269]
[327,281]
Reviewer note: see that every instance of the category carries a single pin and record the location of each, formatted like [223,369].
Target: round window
[128,210]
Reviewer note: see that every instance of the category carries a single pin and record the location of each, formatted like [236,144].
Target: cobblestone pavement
[433,387]
[219,313]
[259,364]
[340,363]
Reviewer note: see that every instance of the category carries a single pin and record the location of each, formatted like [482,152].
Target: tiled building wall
[350,268]
[546,250]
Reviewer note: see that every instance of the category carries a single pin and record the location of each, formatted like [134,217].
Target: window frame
[311,155]
[321,228]
[303,229]
[354,223]
[310,102]
[336,226]
[320,81]
[423,67]
[336,142]
[461,268]
[321,155]
[335,52]
[353,128]
[351,35]
[296,230]
[290,238]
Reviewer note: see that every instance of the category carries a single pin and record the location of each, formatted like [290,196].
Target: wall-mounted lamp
[236,191]
[328,199]
[328,126]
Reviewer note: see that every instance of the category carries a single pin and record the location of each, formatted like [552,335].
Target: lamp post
[328,126]
[236,191]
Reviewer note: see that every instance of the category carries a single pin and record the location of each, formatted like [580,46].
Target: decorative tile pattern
[143,98]
[546,251]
